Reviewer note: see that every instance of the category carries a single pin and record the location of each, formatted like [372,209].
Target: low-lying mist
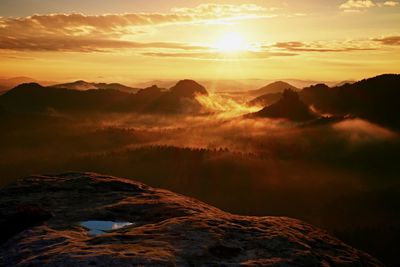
[340,176]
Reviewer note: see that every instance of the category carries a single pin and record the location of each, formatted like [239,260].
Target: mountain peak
[290,95]
[188,88]
[275,87]
[153,87]
[279,83]
[389,79]
[27,86]
[77,85]
[151,90]
[84,85]
[288,107]
[81,82]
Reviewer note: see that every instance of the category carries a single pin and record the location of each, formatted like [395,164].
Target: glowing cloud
[357,5]
[224,107]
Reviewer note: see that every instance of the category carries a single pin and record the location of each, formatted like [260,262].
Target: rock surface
[41,215]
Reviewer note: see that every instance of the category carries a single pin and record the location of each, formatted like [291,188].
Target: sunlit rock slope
[41,215]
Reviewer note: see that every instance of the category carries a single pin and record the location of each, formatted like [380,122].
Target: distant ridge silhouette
[275,87]
[188,88]
[266,99]
[179,99]
[288,107]
[9,83]
[344,82]
[83,85]
[33,97]
[375,99]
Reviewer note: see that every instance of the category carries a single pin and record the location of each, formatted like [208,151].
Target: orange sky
[131,41]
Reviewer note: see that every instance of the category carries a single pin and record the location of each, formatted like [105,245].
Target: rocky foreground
[41,217]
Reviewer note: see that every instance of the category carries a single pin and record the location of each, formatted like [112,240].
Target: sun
[230,42]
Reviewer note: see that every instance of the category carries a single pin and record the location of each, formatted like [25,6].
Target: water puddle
[102,227]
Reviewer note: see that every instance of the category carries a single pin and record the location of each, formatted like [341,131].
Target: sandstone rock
[168,229]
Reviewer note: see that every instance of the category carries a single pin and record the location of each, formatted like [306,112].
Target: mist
[339,176]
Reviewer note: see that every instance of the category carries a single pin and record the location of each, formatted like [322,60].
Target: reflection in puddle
[101,227]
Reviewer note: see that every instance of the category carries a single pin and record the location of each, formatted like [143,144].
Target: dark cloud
[79,44]
[317,47]
[390,40]
[215,55]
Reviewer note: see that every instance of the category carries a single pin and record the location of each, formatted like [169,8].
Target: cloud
[322,46]
[215,55]
[279,49]
[223,11]
[224,107]
[391,3]
[390,40]
[198,55]
[358,5]
[83,25]
[79,32]
[69,44]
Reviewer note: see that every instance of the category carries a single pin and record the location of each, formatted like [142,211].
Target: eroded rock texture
[41,216]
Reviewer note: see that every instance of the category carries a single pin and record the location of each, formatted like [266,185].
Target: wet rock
[167,229]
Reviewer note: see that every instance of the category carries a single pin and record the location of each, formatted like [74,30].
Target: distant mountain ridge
[266,99]
[83,85]
[188,88]
[344,82]
[33,97]
[9,83]
[288,107]
[275,87]
[374,99]
[235,86]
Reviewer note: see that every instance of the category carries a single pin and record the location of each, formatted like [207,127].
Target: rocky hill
[34,98]
[9,83]
[265,100]
[374,99]
[275,87]
[288,107]
[83,85]
[60,220]
[188,88]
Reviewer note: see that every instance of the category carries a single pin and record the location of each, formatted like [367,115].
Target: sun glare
[230,42]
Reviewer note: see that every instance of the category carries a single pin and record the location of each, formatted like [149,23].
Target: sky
[130,40]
